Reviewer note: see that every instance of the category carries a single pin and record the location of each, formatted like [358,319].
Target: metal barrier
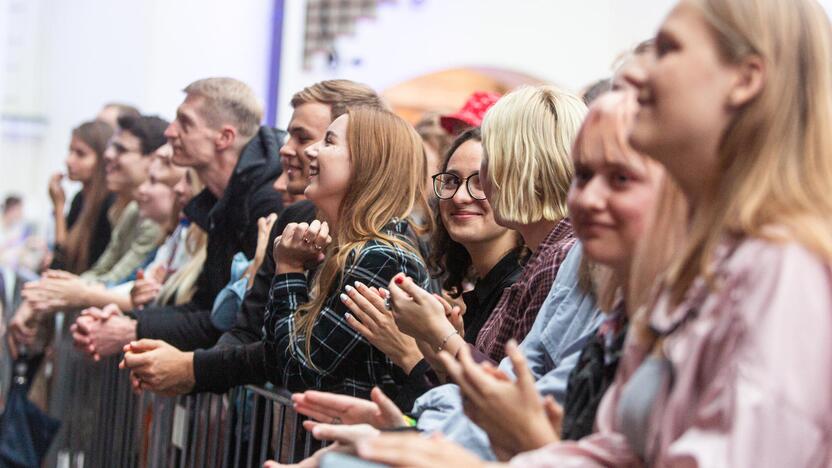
[106,425]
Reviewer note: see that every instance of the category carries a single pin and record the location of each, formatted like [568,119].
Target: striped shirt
[344,361]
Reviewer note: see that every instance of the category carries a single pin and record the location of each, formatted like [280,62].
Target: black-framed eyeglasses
[445,185]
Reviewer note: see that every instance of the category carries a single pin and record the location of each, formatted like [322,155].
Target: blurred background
[61,60]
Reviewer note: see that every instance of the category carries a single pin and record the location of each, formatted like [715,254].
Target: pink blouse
[752,373]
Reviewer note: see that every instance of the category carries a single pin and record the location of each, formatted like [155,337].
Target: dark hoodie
[231,224]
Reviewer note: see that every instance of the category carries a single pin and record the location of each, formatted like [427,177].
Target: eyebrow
[183,117]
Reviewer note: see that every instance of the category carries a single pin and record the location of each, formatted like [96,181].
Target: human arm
[335,346]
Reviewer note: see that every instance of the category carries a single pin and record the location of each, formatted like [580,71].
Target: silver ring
[387,304]
[318,247]
[306,240]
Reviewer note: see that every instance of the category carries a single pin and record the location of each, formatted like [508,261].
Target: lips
[465,214]
[313,170]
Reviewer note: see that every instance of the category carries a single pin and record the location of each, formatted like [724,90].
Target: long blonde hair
[388,181]
[774,158]
[181,286]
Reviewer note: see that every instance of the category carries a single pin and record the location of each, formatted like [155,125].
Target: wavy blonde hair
[388,180]
[181,286]
[527,136]
[774,158]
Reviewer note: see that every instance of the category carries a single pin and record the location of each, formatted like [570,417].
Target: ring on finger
[387,304]
[306,240]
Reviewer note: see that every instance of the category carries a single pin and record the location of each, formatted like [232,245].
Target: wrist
[408,360]
[288,267]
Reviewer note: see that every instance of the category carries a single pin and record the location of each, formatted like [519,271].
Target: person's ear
[751,75]
[226,137]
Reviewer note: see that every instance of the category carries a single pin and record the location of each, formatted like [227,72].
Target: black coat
[231,224]
[236,356]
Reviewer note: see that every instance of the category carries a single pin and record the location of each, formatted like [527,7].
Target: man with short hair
[217,132]
[167,370]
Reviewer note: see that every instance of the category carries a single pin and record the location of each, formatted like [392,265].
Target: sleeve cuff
[285,284]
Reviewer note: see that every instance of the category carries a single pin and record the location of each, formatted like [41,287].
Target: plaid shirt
[344,361]
[515,313]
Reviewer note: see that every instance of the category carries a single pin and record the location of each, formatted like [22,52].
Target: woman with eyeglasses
[467,243]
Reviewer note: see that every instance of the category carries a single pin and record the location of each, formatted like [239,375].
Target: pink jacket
[752,373]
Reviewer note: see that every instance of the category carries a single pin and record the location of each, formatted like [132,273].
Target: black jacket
[231,224]
[219,368]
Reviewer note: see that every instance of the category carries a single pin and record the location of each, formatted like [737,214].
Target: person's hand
[370,317]
[56,291]
[414,450]
[346,435]
[22,329]
[159,367]
[311,462]
[332,408]
[264,228]
[56,193]
[512,413]
[146,287]
[419,313]
[300,245]
[100,333]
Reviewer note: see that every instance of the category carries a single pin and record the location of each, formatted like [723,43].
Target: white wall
[140,52]
[566,42]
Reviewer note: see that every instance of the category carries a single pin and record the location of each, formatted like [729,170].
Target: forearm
[218,369]
[99,297]
[60,227]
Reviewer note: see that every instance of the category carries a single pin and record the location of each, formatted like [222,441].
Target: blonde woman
[732,367]
[525,175]
[366,177]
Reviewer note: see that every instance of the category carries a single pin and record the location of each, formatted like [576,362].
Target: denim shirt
[567,319]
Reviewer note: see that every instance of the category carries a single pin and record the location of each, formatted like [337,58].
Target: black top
[231,225]
[100,235]
[479,303]
[219,368]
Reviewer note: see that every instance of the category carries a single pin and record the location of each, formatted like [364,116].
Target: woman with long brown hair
[82,235]
[367,176]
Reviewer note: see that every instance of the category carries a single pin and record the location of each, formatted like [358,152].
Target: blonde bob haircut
[775,158]
[388,181]
[527,136]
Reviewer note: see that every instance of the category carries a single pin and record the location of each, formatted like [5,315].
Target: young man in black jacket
[164,369]
[217,132]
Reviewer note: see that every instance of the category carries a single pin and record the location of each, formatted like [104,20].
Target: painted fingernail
[399,279]
[349,289]
[359,284]
[348,316]
[344,297]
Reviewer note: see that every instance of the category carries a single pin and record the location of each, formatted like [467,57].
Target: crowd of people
[641,275]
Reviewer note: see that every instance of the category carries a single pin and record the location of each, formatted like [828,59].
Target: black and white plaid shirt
[344,361]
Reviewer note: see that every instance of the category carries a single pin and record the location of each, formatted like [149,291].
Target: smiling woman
[365,237]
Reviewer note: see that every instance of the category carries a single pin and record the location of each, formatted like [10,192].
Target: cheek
[631,214]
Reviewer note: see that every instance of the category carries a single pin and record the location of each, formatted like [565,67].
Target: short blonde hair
[228,101]
[527,136]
